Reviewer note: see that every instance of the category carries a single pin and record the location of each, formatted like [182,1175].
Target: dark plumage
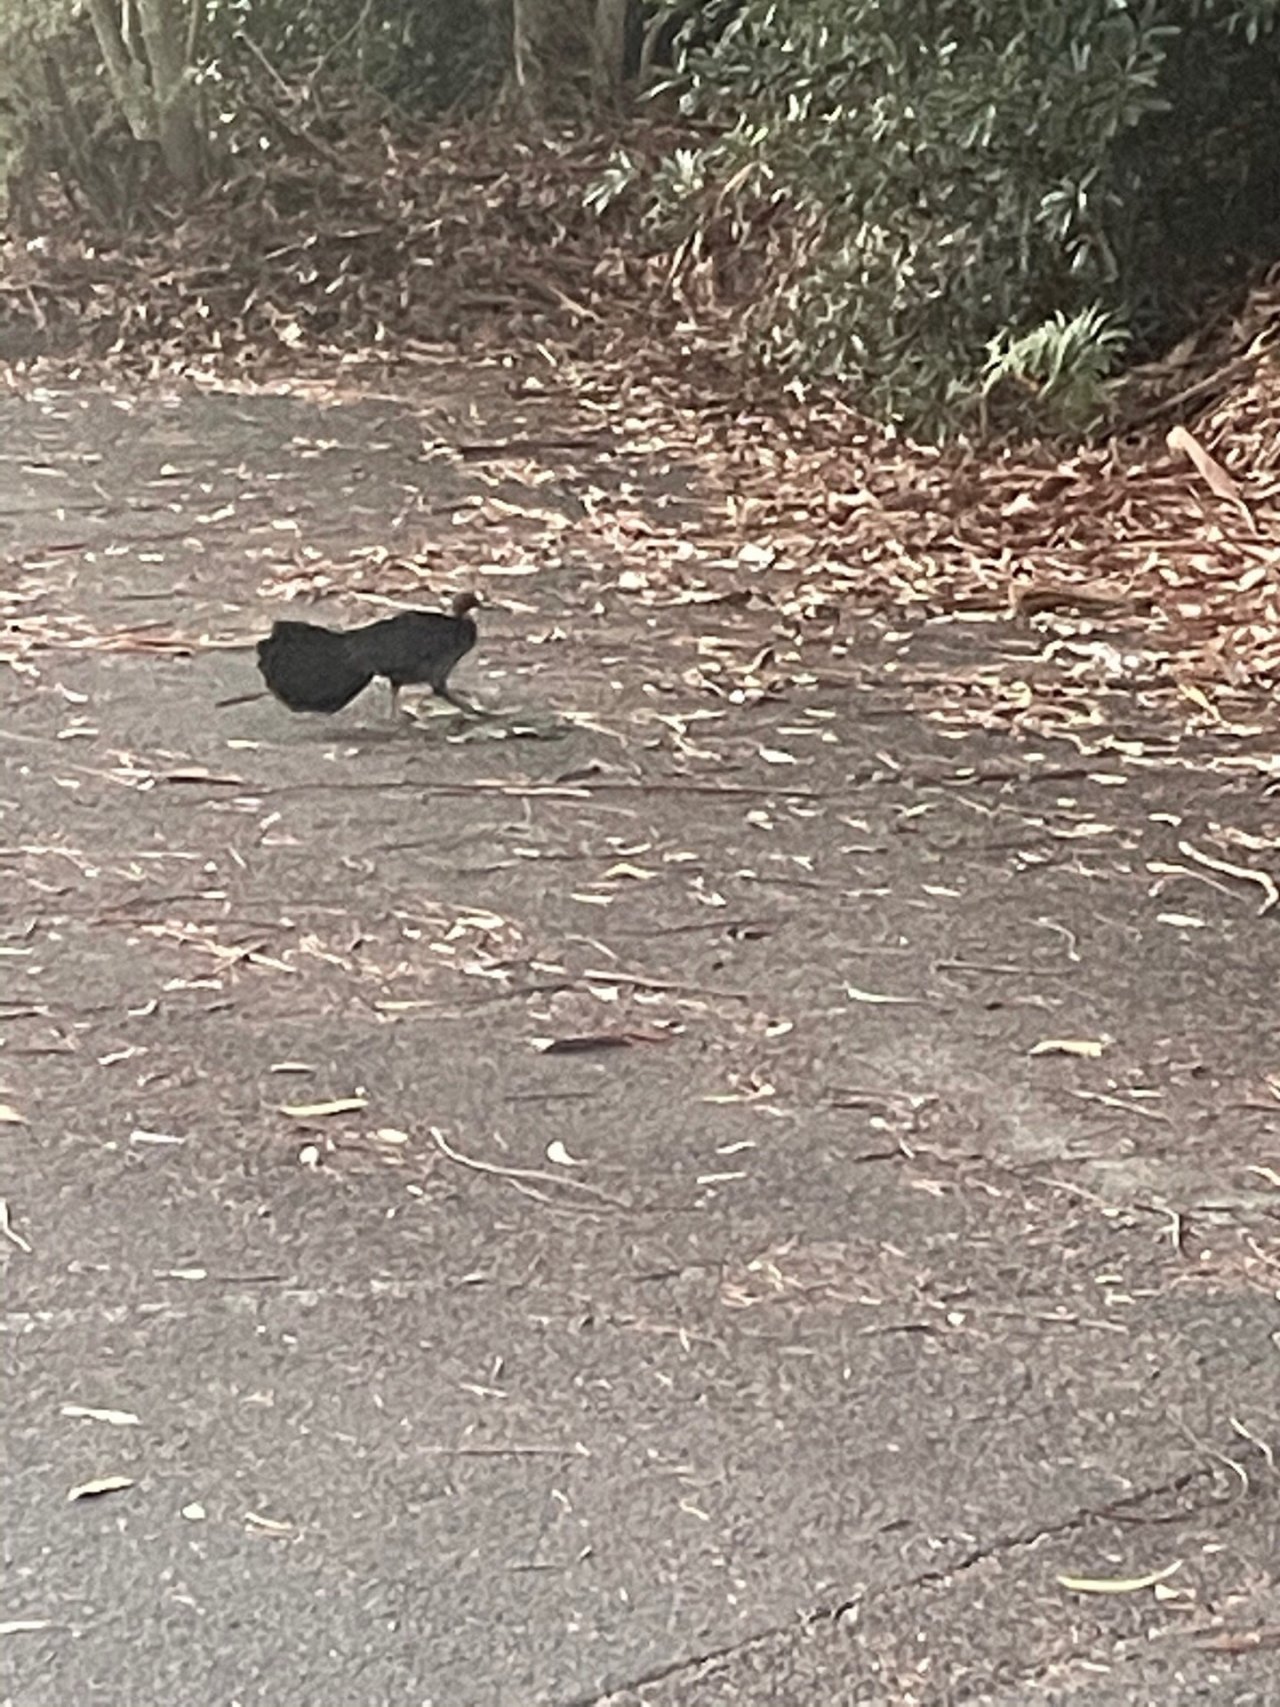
[311,668]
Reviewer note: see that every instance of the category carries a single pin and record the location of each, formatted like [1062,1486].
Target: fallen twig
[1246,873]
[540,1175]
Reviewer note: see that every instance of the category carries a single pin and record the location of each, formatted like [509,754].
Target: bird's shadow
[441,720]
[484,724]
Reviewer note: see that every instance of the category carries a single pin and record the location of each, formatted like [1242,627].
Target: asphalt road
[658,1198]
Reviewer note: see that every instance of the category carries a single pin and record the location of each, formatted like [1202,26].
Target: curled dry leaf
[1198,698]
[1246,874]
[584,1045]
[9,1231]
[1118,1585]
[93,1413]
[316,1110]
[1242,1641]
[557,1153]
[267,1525]
[588,1042]
[1206,466]
[99,1485]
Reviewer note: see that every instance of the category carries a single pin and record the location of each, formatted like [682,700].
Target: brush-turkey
[312,668]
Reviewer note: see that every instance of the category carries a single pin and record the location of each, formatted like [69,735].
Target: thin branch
[540,1175]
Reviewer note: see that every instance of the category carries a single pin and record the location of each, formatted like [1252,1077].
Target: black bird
[311,668]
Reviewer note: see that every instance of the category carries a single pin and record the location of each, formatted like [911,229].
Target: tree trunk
[609,51]
[184,143]
[126,75]
[567,54]
[155,87]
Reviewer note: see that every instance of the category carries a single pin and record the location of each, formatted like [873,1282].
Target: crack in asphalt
[846,1611]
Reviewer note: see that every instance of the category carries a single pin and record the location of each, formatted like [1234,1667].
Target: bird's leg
[395,698]
[444,691]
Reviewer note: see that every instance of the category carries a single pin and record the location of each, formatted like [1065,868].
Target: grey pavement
[594,1207]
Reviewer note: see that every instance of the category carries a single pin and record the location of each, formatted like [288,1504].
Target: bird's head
[464,602]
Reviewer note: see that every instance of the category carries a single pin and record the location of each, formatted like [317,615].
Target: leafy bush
[426,58]
[1055,374]
[962,173]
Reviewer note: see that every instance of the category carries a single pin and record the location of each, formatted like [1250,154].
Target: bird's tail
[310,668]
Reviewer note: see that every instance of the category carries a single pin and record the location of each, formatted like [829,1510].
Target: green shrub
[993,181]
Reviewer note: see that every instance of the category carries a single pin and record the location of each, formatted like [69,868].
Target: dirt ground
[677,1193]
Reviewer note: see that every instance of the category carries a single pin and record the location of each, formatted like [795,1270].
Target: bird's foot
[464,705]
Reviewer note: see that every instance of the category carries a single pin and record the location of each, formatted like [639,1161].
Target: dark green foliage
[425,56]
[967,172]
